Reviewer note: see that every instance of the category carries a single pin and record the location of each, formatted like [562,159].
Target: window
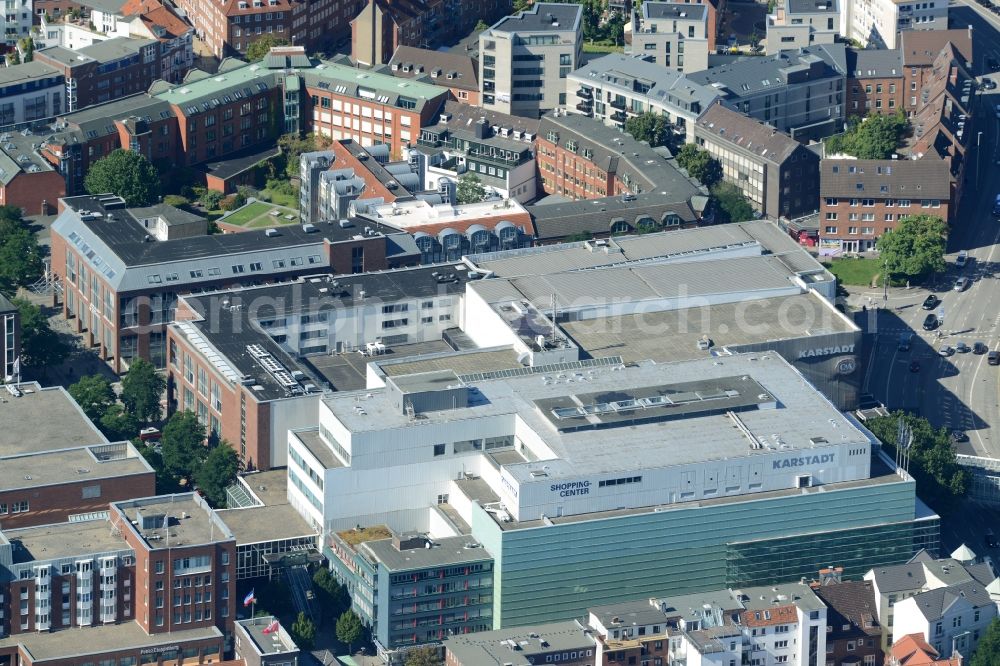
[439,449]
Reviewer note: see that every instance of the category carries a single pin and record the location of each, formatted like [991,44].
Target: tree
[699,164]
[40,345]
[522,5]
[349,629]
[260,48]
[94,395]
[731,204]
[333,596]
[650,127]
[988,651]
[127,174]
[20,256]
[28,46]
[117,424]
[424,656]
[941,481]
[211,199]
[142,388]
[217,473]
[304,632]
[183,445]
[470,189]
[915,248]
[13,58]
[875,138]
[481,25]
[292,146]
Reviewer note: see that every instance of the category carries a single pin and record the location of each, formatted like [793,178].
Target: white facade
[16,20]
[878,22]
[29,92]
[793,27]
[959,627]
[674,35]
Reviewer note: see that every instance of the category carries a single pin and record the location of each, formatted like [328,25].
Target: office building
[10,340]
[804,23]
[457,71]
[800,93]
[614,87]
[524,59]
[29,92]
[497,147]
[55,466]
[566,642]
[778,175]
[383,26]
[954,592]
[676,35]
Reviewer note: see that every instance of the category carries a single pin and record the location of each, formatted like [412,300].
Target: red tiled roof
[769,617]
[155,13]
[913,650]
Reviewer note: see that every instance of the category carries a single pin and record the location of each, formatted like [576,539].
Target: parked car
[993,358]
[980,348]
[914,366]
[931,322]
[962,259]
[962,348]
[959,436]
[930,302]
[945,350]
[961,284]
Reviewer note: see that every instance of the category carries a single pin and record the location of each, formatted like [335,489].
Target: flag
[271,628]
[249,599]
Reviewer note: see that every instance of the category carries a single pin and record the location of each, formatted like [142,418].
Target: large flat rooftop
[100,639]
[59,540]
[43,420]
[189,521]
[801,416]
[274,521]
[673,335]
[444,552]
[50,468]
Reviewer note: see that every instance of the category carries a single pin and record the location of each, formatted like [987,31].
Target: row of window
[15,507]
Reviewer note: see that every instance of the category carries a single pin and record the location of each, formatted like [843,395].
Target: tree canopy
[874,138]
[292,146]
[915,248]
[988,651]
[304,632]
[730,204]
[941,481]
[217,473]
[127,174]
[470,189]
[94,395]
[332,595]
[20,256]
[117,424]
[260,47]
[653,128]
[699,164]
[142,388]
[183,441]
[426,655]
[349,629]
[41,347]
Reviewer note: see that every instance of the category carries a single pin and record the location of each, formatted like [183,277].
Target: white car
[962,259]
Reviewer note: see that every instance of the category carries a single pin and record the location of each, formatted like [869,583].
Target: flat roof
[444,552]
[542,17]
[270,487]
[275,642]
[491,647]
[674,10]
[100,639]
[320,450]
[673,335]
[802,415]
[462,363]
[191,521]
[349,372]
[50,468]
[260,524]
[59,540]
[43,420]
[362,83]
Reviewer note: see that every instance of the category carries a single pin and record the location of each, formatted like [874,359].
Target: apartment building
[412,590]
[579,158]
[676,35]
[921,51]
[497,147]
[862,199]
[881,23]
[368,106]
[526,58]
[914,650]
[566,642]
[27,180]
[804,23]
[29,92]
[383,26]
[459,72]
[10,340]
[853,631]
[800,93]
[15,21]
[105,71]
[614,87]
[875,81]
[778,175]
[945,580]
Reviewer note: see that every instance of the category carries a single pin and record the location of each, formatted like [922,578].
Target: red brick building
[853,631]
[875,82]
[920,50]
[31,183]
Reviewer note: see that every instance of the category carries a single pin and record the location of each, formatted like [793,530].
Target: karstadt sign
[802,461]
[826,351]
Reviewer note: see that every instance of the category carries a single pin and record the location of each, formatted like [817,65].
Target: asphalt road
[960,391]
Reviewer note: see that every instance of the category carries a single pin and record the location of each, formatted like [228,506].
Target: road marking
[972,387]
[888,378]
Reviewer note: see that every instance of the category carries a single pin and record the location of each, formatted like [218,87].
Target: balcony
[618,104]
[584,109]
[585,93]
[618,116]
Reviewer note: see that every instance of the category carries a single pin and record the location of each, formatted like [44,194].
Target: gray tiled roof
[874,63]
[927,178]
[463,67]
[542,16]
[665,85]
[933,604]
[25,72]
[594,216]
[751,135]
[749,76]
[812,6]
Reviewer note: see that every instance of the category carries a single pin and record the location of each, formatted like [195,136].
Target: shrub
[176,200]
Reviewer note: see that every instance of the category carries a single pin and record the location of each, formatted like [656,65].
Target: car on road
[931,322]
[980,348]
[996,205]
[989,84]
[993,358]
[962,259]
[957,436]
[930,302]
[945,350]
[961,284]
[914,366]
[963,348]
[992,64]
[905,340]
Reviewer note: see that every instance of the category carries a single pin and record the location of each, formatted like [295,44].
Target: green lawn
[287,200]
[257,215]
[857,272]
[602,47]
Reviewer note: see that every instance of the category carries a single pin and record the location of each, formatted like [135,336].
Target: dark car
[931,302]
[959,436]
[980,348]
[990,538]
[915,366]
[931,322]
[989,84]
[993,358]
